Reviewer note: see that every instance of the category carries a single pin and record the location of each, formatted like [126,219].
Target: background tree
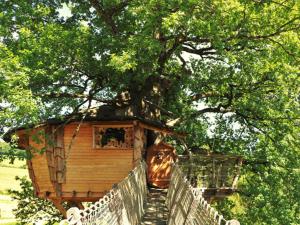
[226,71]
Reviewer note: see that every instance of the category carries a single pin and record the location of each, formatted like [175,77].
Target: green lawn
[16,163]
[8,172]
[9,223]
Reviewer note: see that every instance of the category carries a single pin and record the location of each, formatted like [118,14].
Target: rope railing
[187,205]
[123,205]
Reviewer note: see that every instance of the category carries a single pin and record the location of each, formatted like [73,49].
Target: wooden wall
[89,170]
[40,172]
[86,173]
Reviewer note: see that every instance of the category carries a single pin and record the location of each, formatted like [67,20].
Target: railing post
[236,178]
[232,222]
[73,216]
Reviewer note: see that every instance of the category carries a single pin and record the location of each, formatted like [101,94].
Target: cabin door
[159,161]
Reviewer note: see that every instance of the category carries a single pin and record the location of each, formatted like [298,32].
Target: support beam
[58,204]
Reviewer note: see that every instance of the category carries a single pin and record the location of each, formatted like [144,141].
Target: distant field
[8,223]
[8,172]
[16,163]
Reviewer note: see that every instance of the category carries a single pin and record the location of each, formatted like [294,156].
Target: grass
[16,164]
[8,172]
[9,223]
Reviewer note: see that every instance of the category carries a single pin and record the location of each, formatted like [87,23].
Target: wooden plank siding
[90,170]
[71,168]
[39,164]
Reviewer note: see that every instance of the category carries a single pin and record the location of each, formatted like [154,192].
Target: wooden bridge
[131,203]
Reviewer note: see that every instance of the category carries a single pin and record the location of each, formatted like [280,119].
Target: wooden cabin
[79,161]
[79,158]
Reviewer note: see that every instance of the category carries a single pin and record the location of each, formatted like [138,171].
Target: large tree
[226,72]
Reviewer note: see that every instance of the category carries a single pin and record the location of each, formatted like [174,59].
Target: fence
[187,206]
[123,205]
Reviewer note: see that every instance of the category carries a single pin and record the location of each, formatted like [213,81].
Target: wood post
[58,204]
[138,143]
[55,155]
[236,178]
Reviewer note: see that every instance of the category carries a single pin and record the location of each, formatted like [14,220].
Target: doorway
[159,161]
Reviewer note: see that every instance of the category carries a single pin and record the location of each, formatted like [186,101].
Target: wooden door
[159,161]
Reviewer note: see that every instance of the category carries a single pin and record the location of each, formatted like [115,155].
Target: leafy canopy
[227,71]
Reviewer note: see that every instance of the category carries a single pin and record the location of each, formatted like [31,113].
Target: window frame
[106,126]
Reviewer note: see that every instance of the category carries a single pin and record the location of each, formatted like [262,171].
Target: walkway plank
[156,211]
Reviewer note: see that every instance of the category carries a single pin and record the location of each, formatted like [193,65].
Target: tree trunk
[147,99]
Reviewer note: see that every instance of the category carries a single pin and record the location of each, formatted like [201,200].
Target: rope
[124,204]
[187,205]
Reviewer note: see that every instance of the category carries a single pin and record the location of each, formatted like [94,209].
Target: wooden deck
[156,211]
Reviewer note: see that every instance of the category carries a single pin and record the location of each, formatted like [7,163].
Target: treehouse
[79,159]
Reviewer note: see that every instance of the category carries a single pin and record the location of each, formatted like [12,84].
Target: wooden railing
[214,171]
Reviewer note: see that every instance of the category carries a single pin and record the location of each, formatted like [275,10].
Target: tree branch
[164,111]
[279,31]
[74,96]
[165,54]
[107,14]
[218,109]
[201,51]
[248,123]
[284,49]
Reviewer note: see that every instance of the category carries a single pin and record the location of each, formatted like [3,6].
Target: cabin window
[113,138]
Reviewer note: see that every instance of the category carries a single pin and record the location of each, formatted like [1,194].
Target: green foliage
[10,152]
[17,104]
[32,209]
[228,71]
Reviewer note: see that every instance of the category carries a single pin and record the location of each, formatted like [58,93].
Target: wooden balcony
[215,174]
